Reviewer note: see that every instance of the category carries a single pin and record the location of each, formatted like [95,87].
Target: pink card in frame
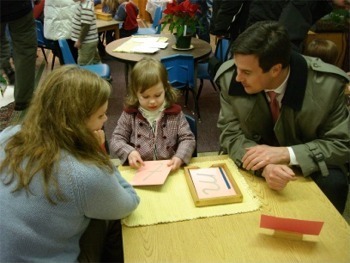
[212,186]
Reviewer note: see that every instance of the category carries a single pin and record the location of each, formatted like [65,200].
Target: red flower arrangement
[181,17]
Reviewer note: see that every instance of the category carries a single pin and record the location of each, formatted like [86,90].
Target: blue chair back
[156,27]
[66,53]
[222,49]
[180,69]
[42,41]
[102,69]
[193,126]
[157,17]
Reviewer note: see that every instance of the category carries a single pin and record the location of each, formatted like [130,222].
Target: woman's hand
[100,135]
[135,160]
[175,163]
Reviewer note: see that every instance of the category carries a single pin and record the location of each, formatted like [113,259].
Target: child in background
[322,48]
[127,12]
[110,7]
[84,33]
[152,126]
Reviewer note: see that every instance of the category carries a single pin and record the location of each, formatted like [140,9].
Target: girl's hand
[135,160]
[175,163]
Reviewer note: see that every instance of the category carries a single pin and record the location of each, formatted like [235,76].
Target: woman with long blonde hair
[57,182]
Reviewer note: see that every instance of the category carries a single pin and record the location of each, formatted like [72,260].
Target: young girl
[151,126]
[56,182]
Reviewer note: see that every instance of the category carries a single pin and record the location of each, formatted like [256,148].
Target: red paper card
[291,225]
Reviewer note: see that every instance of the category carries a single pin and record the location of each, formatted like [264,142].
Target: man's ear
[276,69]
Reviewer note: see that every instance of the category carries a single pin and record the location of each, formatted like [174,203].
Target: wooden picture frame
[212,186]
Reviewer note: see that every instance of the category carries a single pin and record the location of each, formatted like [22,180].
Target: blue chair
[193,126]
[180,68]
[44,43]
[221,54]
[155,28]
[102,70]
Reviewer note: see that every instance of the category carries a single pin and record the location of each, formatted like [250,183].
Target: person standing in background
[84,33]
[297,16]
[58,15]
[18,16]
[127,12]
[110,7]
[229,18]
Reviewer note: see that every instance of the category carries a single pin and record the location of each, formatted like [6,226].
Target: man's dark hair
[268,40]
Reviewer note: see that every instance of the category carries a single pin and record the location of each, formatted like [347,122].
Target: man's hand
[135,160]
[277,176]
[259,156]
[175,163]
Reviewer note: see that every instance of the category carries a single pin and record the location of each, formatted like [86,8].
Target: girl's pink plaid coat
[173,136]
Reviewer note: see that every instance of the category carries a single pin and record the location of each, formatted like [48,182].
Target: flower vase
[183,42]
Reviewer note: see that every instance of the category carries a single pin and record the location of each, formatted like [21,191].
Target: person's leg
[88,54]
[113,246]
[5,54]
[335,186]
[73,49]
[101,242]
[24,41]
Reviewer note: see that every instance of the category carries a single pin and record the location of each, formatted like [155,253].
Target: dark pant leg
[102,242]
[24,42]
[335,186]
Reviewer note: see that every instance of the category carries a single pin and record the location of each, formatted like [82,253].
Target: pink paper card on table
[152,173]
[304,227]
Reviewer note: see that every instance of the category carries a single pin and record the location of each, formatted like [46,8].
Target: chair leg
[43,50]
[200,88]
[196,106]
[53,60]
[213,84]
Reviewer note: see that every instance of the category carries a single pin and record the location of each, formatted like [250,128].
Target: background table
[201,50]
[103,25]
[237,238]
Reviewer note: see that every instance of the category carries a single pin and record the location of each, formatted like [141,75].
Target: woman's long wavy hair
[56,122]
[147,73]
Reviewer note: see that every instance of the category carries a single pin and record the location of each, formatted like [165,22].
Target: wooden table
[238,238]
[201,50]
[103,25]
